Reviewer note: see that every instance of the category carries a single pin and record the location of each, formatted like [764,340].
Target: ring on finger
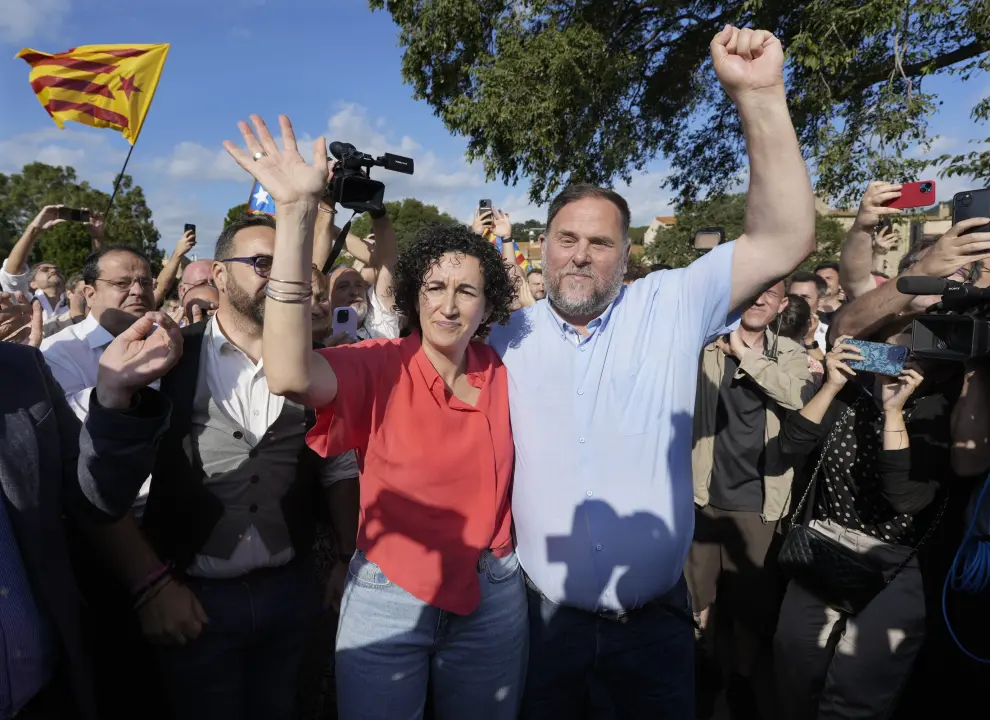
[260,154]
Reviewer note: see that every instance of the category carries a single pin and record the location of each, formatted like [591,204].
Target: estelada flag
[107,86]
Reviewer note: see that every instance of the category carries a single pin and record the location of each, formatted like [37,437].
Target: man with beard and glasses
[602,383]
[231,517]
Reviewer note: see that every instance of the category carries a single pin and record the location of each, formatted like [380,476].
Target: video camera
[352,186]
[956,328]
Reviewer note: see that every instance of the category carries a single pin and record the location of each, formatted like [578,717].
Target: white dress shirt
[240,390]
[379,321]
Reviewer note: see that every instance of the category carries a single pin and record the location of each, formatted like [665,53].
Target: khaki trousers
[833,666]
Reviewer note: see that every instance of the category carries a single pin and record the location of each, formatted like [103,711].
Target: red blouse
[435,472]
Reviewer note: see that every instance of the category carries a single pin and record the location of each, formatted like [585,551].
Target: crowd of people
[571,493]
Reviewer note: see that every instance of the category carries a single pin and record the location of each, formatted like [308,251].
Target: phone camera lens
[966,199]
[926,187]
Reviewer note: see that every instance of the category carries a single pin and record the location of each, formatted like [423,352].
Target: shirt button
[253,508]
[19,654]
[598,546]
[589,493]
[580,392]
[255,479]
[583,348]
[581,440]
[238,434]
[4,592]
[257,413]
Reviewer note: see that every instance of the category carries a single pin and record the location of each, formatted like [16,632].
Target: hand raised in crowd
[173,616]
[48,217]
[95,226]
[287,177]
[955,249]
[503,225]
[199,310]
[186,243]
[20,321]
[837,369]
[747,61]
[482,221]
[872,208]
[895,391]
[136,358]
[885,240]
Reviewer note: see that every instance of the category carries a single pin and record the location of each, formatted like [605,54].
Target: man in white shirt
[44,281]
[118,290]
[232,511]
[375,319]
[812,288]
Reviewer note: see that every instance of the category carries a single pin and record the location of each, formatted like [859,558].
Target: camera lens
[966,199]
[341,316]
[926,187]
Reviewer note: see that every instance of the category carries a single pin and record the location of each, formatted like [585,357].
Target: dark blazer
[52,467]
[181,511]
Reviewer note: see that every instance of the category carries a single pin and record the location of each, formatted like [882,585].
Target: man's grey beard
[362,312]
[593,305]
[250,307]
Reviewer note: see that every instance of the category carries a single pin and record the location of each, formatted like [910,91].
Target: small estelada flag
[104,86]
[260,202]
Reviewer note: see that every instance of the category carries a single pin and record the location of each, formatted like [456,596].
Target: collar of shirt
[46,304]
[95,335]
[571,333]
[474,367]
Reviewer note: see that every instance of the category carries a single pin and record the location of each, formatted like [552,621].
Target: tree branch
[882,72]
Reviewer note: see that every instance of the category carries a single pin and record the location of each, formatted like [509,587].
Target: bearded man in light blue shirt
[602,382]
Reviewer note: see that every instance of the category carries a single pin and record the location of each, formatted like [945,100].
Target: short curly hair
[433,242]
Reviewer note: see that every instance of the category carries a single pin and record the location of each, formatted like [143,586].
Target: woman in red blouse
[434,593]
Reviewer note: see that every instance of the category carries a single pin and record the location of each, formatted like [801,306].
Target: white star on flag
[261,196]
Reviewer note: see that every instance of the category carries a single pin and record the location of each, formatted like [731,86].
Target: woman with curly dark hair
[434,595]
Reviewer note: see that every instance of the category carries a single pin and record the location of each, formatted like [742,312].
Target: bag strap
[836,429]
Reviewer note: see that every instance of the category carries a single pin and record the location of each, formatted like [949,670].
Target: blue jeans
[583,665]
[245,664]
[391,646]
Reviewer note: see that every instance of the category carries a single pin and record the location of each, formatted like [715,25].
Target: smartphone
[914,195]
[971,204]
[73,215]
[190,228]
[880,358]
[345,321]
[708,238]
[485,205]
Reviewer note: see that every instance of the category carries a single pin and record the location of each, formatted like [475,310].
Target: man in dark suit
[50,468]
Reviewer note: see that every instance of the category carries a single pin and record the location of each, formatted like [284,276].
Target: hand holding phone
[879,358]
[971,204]
[73,215]
[914,195]
[345,321]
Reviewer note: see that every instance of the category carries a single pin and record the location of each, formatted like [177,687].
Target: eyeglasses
[124,284]
[262,263]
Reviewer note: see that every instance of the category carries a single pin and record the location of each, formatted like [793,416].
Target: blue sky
[333,66]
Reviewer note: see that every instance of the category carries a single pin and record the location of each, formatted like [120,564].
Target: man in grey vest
[221,569]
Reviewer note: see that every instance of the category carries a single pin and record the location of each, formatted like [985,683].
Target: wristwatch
[812,346]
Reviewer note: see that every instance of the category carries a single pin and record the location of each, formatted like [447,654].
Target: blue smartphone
[879,358]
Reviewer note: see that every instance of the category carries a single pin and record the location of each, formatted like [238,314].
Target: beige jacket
[788,384]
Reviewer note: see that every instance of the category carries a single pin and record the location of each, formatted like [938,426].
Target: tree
[235,213]
[408,217]
[591,90]
[23,194]
[520,231]
[674,245]
[638,234]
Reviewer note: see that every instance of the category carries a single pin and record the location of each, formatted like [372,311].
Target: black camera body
[352,186]
[956,328]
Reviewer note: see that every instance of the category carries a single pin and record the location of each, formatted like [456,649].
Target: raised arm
[953,250]
[856,258]
[167,276]
[779,232]
[386,253]
[292,368]
[16,263]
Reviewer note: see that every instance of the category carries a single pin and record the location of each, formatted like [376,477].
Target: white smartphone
[345,320]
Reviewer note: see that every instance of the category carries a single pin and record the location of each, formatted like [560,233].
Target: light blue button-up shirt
[603,492]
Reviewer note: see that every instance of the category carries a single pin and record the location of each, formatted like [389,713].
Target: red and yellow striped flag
[107,86]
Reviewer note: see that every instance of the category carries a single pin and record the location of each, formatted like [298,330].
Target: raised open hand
[872,207]
[286,176]
[747,60]
[136,358]
[503,225]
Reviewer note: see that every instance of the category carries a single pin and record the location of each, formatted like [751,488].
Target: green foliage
[674,245]
[408,216]
[22,195]
[592,90]
[235,213]
[520,231]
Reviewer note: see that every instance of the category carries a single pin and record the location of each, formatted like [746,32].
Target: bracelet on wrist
[153,578]
[152,593]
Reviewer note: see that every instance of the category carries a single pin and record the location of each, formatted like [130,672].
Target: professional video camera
[957,327]
[352,186]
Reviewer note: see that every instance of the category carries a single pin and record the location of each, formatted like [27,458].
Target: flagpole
[116,185]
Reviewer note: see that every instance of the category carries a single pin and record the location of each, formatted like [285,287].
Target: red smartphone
[915,195]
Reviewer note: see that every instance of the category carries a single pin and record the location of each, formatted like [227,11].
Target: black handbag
[838,576]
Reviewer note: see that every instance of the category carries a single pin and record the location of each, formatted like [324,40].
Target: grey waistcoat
[249,480]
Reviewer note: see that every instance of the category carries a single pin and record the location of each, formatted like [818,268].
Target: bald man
[375,318]
[196,273]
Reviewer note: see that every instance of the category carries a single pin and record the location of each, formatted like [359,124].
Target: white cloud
[22,20]
[192,161]
[92,154]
